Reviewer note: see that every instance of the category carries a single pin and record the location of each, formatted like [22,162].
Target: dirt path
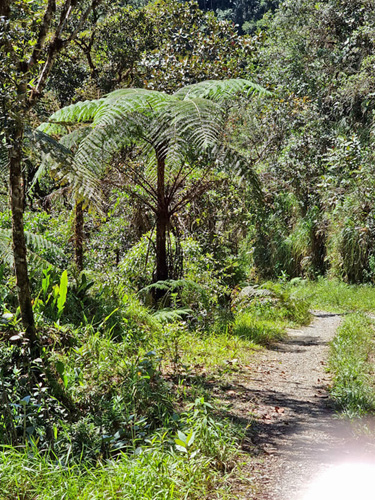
[293,427]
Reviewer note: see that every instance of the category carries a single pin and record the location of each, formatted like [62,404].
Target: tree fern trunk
[19,244]
[78,236]
[161,247]
[162,222]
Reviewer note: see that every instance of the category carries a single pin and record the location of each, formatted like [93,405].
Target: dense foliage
[244,13]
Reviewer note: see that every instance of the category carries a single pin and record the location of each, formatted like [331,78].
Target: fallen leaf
[14,338]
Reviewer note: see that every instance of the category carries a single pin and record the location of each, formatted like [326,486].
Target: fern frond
[36,241]
[72,140]
[39,242]
[43,144]
[168,315]
[124,102]
[53,129]
[53,153]
[81,112]
[219,90]
[236,164]
[198,121]
[4,158]
[170,285]
[58,158]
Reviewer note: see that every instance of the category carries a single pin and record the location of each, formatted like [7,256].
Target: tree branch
[43,32]
[58,44]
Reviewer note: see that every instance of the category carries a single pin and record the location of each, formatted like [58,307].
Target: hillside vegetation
[178,187]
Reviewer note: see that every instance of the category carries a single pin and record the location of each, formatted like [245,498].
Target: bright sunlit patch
[344,482]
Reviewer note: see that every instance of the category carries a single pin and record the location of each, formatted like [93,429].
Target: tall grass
[352,365]
[152,475]
[188,463]
[261,332]
[335,295]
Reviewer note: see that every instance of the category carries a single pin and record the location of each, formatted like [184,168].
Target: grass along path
[293,425]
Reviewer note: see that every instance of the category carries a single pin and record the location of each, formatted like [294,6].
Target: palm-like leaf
[36,244]
[219,90]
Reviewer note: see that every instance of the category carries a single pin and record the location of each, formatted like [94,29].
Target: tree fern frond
[81,112]
[123,102]
[44,144]
[53,129]
[36,241]
[72,140]
[58,158]
[106,139]
[198,120]
[39,242]
[218,90]
[235,163]
[4,158]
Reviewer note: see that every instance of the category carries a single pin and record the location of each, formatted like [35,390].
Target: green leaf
[180,443]
[63,290]
[60,368]
[190,438]
[180,448]
[181,436]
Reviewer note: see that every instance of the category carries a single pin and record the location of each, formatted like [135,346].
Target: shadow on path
[289,416]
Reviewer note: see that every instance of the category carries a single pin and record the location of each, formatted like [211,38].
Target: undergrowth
[137,417]
[352,365]
[335,295]
[155,473]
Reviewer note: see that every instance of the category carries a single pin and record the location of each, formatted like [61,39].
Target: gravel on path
[293,426]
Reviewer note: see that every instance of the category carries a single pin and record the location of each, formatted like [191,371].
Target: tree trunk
[318,251]
[161,246]
[78,236]
[162,221]
[19,244]
[4,8]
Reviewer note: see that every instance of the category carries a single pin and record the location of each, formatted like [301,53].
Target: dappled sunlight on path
[304,449]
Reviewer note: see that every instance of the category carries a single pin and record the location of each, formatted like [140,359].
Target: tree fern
[172,133]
